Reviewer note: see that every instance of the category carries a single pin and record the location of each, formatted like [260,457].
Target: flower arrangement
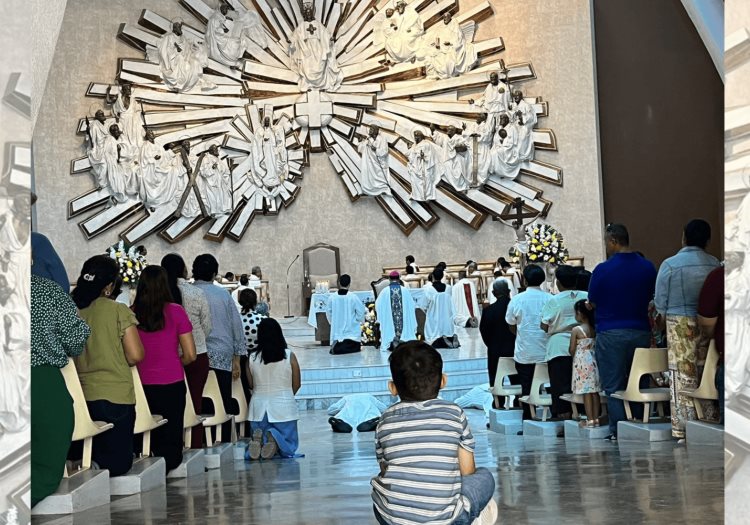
[369,329]
[131,260]
[546,244]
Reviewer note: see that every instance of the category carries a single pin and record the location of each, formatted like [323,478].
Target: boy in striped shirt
[425,449]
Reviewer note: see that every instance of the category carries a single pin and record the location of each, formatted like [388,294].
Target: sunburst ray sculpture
[216,123]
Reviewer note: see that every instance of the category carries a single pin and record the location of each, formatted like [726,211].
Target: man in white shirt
[524,317]
[437,302]
[243,286]
[345,312]
[255,277]
[465,303]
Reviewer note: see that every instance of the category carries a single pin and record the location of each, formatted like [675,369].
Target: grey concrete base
[542,428]
[79,492]
[506,422]
[239,449]
[701,433]
[573,431]
[193,463]
[646,432]
[218,455]
[145,474]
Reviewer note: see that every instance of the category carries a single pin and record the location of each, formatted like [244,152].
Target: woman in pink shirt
[167,337]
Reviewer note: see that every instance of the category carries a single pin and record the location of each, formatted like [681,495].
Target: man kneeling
[426,450]
[345,312]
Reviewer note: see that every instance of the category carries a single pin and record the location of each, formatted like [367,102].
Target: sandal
[254,448]
[270,448]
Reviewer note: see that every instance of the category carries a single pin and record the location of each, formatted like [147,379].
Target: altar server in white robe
[215,183]
[396,313]
[374,166]
[360,411]
[405,39]
[449,54]
[121,159]
[465,303]
[97,133]
[424,168]
[270,154]
[313,55]
[525,120]
[481,135]
[181,60]
[437,302]
[496,97]
[159,174]
[345,312]
[456,158]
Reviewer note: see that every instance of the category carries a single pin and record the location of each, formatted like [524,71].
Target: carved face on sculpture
[99,115]
[418,136]
[150,136]
[502,134]
[389,13]
[494,79]
[308,12]
[451,130]
[214,150]
[114,130]
[177,28]
[401,7]
[185,144]
[481,118]
[504,120]
[517,96]
[447,17]
[224,8]
[374,131]
[267,122]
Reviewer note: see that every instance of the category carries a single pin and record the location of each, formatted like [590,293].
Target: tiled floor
[539,481]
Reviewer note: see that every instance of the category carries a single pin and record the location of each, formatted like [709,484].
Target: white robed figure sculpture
[525,119]
[456,158]
[215,183]
[437,303]
[374,165]
[424,168]
[402,33]
[228,33]
[448,52]
[480,135]
[313,56]
[504,155]
[465,303]
[181,60]
[97,134]
[270,154]
[129,116]
[159,174]
[121,159]
[396,314]
[495,99]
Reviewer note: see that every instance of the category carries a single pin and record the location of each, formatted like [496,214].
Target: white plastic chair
[536,398]
[145,421]
[645,361]
[506,366]
[238,394]
[220,416]
[190,418]
[707,388]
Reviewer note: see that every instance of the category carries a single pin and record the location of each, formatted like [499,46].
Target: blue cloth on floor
[285,434]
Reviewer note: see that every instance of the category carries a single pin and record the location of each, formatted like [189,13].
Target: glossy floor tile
[539,481]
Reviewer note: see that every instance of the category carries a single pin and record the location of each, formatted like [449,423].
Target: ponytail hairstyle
[583,309]
[97,273]
[151,297]
[248,300]
[175,267]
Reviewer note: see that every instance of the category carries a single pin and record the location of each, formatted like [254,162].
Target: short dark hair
[244,279]
[582,280]
[534,275]
[503,263]
[442,265]
[618,233]
[567,276]
[410,259]
[205,267]
[345,280]
[248,300]
[697,233]
[438,274]
[416,370]
[229,276]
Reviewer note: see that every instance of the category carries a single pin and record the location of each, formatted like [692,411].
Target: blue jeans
[478,489]
[720,389]
[614,356]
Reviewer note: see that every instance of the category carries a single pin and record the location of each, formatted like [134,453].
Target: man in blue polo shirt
[620,291]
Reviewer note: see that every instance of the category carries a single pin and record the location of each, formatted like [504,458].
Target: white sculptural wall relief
[215,124]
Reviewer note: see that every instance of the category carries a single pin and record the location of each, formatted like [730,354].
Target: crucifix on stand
[514,216]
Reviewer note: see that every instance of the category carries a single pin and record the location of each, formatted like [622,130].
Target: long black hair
[97,273]
[151,297]
[271,342]
[175,267]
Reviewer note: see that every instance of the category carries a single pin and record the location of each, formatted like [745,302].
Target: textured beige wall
[555,36]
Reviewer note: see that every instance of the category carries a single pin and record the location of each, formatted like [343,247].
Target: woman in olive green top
[56,333]
[104,367]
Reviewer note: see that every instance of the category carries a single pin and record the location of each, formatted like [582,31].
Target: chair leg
[646,412]
[628,413]
[219,437]
[188,438]
[146,451]
[86,459]
[209,440]
[698,408]
[234,431]
[660,409]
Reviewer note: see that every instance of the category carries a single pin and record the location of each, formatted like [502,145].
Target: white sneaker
[488,516]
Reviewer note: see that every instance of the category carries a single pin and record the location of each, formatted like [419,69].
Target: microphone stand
[288,301]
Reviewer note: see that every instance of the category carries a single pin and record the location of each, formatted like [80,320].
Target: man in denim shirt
[678,288]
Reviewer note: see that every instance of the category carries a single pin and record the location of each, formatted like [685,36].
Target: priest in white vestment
[346,313]
[271,156]
[481,135]
[159,174]
[495,99]
[215,183]
[313,55]
[374,166]
[465,303]
[360,411]
[424,168]
[437,302]
[448,52]
[128,114]
[97,133]
[525,120]
[181,60]
[396,313]
[121,159]
[456,158]
[405,39]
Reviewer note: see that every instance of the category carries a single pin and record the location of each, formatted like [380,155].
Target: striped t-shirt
[417,447]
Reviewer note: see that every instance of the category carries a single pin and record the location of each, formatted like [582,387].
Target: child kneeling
[426,450]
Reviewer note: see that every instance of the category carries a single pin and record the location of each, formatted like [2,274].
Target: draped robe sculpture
[228,34]
[495,99]
[424,168]
[525,118]
[312,55]
[271,156]
[120,158]
[181,60]
[481,135]
[449,54]
[159,174]
[456,158]
[215,183]
[128,115]
[374,166]
[97,134]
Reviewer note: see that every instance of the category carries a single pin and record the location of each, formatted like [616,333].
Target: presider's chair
[321,262]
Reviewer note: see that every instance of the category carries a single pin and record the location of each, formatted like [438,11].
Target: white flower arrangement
[130,260]
[546,244]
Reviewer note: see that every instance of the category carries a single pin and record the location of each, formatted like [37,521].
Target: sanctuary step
[146,474]
[646,432]
[296,327]
[193,463]
[532,428]
[702,433]
[506,422]
[81,491]
[573,431]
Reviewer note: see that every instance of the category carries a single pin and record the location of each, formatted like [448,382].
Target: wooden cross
[314,109]
[519,214]
[191,184]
